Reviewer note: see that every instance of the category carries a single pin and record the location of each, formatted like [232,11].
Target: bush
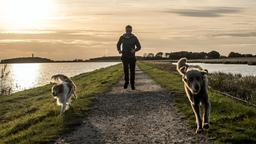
[4,89]
[235,84]
[213,55]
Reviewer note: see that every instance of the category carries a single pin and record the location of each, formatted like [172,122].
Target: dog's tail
[182,66]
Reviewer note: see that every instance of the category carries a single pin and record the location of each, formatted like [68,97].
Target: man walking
[128,45]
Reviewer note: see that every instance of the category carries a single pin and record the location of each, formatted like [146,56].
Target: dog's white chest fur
[64,97]
[63,90]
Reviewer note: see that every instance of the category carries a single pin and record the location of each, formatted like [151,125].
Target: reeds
[242,87]
[4,88]
[235,85]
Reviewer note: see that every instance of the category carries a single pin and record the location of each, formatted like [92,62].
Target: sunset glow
[27,14]
[24,75]
[82,29]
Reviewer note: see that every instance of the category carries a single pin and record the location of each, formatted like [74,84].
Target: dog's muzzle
[196,89]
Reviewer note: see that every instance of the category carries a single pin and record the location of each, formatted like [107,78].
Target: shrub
[4,89]
[234,84]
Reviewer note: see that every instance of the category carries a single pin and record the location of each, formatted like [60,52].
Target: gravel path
[146,115]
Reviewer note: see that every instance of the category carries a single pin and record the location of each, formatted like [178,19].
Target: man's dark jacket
[129,42]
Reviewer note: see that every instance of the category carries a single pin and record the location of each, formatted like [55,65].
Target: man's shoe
[126,85]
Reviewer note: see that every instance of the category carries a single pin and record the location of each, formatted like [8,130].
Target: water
[25,76]
[244,70]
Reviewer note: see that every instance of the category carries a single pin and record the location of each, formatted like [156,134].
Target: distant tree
[189,55]
[201,55]
[213,55]
[167,55]
[145,55]
[248,55]
[223,56]
[234,54]
[159,55]
[150,55]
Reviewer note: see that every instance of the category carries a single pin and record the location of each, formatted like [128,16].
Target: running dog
[196,87]
[63,90]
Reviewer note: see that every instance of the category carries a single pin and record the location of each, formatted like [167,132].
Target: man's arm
[119,43]
[137,43]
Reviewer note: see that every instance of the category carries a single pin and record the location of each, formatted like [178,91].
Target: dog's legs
[68,101]
[67,106]
[196,110]
[65,98]
[206,115]
[62,109]
[195,105]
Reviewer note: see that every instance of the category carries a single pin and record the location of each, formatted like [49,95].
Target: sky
[70,29]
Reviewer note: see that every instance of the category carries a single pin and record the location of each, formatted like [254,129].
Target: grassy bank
[32,116]
[236,85]
[231,121]
[242,60]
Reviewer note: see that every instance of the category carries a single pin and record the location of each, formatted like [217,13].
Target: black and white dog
[196,87]
[63,90]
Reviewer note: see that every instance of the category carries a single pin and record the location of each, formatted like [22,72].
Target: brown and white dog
[196,87]
[63,90]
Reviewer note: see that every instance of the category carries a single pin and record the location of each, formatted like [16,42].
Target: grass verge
[32,116]
[231,121]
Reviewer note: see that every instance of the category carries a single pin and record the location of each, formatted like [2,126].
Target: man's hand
[120,52]
[133,51]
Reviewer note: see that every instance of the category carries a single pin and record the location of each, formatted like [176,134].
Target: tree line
[194,55]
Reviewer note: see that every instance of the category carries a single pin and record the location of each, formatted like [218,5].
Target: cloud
[242,34]
[90,35]
[205,12]
[59,44]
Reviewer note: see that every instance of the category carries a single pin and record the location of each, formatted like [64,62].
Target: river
[25,76]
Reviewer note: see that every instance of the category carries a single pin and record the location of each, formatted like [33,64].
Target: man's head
[128,29]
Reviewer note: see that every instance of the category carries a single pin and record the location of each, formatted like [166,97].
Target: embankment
[231,120]
[32,116]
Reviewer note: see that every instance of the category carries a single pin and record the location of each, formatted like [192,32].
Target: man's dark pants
[129,68]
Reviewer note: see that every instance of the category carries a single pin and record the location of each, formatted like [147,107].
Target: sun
[26,14]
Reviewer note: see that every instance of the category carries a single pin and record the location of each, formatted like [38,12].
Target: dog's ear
[204,71]
[182,66]
[182,70]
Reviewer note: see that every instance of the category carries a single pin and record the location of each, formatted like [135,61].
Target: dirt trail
[146,115]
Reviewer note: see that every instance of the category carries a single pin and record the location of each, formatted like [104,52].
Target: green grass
[32,116]
[231,121]
[240,60]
